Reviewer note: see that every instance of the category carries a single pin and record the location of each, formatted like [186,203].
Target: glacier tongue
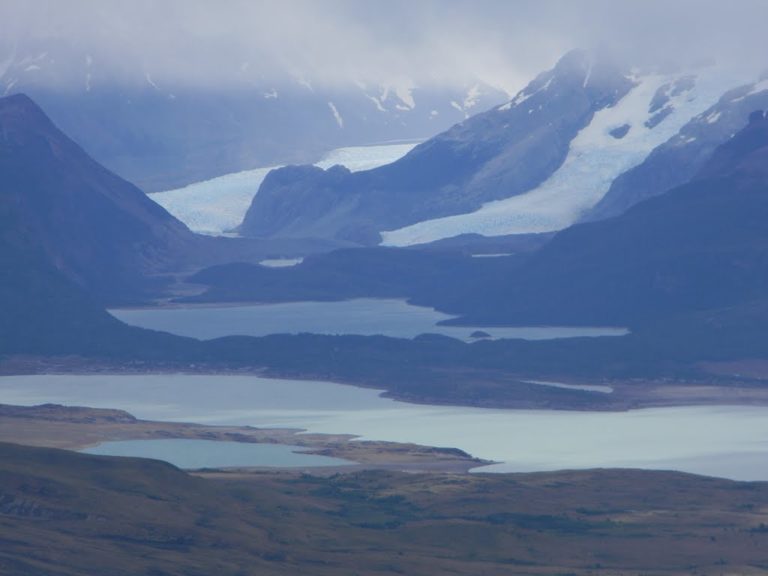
[215,206]
[594,160]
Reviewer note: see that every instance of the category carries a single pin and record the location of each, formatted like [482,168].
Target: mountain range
[601,195]
[99,230]
[495,154]
[583,141]
[163,134]
[684,270]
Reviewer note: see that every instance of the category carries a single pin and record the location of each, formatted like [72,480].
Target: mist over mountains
[522,229]
[199,93]
[669,289]
[584,140]
[162,133]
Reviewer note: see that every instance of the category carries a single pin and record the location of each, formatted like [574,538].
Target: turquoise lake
[364,316]
[725,441]
[194,454]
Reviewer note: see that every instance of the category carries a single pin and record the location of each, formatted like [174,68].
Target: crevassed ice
[215,206]
[594,160]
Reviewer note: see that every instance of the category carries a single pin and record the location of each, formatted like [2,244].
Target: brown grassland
[64,513]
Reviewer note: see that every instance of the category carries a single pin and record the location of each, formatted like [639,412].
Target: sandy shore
[75,428]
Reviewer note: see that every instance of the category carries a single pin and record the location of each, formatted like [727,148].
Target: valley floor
[125,516]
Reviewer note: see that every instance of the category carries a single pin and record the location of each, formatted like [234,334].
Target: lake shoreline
[392,317]
[722,439]
[78,428]
[627,395]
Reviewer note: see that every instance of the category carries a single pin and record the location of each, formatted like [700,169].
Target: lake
[193,454]
[726,441]
[364,316]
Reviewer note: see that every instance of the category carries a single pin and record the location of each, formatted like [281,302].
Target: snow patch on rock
[377,103]
[758,87]
[713,117]
[405,94]
[472,97]
[336,115]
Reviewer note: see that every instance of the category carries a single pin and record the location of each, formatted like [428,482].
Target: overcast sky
[504,42]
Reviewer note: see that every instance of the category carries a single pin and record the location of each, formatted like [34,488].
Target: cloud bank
[502,42]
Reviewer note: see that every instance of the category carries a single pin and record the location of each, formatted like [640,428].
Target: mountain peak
[576,59]
[19,101]
[19,105]
[20,117]
[98,229]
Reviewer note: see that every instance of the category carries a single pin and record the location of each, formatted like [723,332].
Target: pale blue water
[726,441]
[364,316]
[193,454]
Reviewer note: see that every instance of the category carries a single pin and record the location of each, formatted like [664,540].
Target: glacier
[215,207]
[595,158]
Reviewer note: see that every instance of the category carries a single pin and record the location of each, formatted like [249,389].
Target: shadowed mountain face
[494,155]
[40,309]
[700,247]
[99,230]
[45,312]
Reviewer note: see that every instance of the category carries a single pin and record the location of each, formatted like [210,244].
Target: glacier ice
[216,206]
[594,160]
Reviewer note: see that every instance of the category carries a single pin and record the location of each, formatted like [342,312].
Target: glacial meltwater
[364,316]
[726,441]
[195,454]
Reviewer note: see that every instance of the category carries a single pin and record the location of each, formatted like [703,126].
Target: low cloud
[503,42]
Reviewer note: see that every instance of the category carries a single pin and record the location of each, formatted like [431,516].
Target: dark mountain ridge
[97,228]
